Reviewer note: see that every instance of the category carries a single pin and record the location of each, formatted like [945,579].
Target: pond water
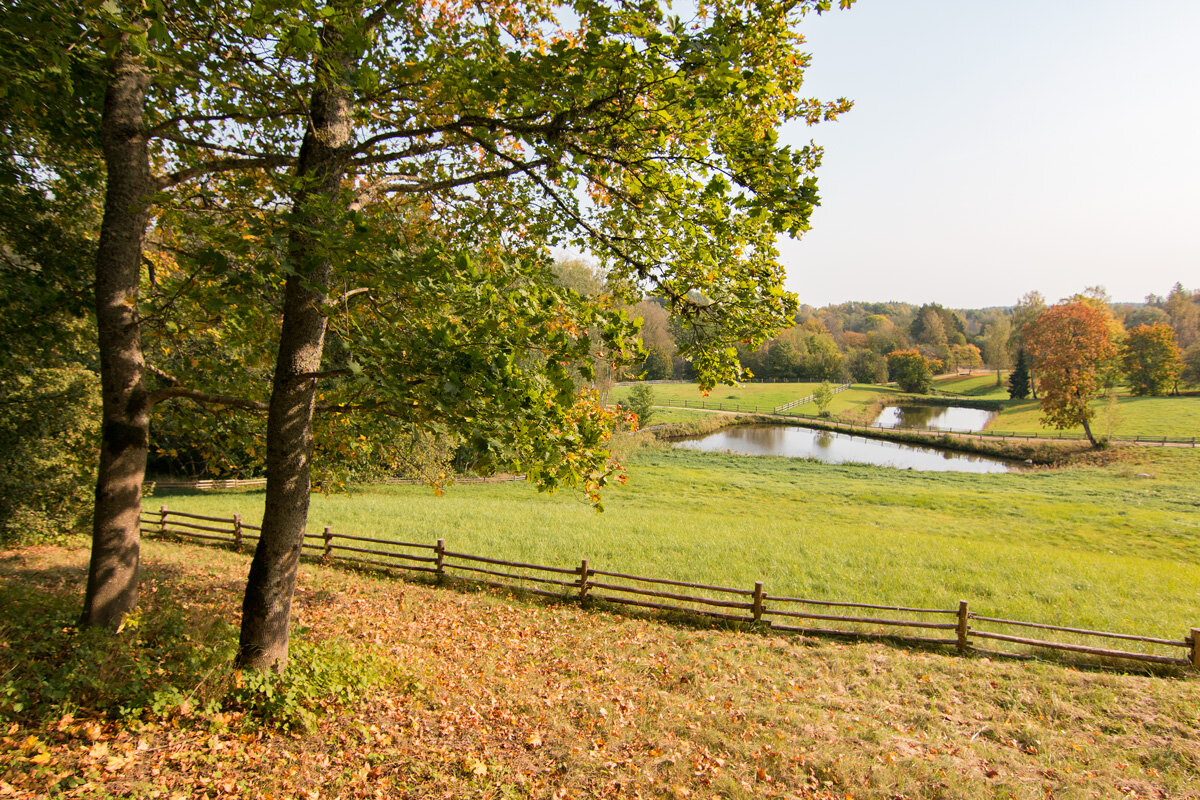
[938,418]
[837,448]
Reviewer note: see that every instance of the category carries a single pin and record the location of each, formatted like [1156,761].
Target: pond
[938,418]
[838,448]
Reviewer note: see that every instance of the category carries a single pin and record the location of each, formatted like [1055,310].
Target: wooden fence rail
[954,627]
[808,399]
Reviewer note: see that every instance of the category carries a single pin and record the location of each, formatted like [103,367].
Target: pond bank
[1039,452]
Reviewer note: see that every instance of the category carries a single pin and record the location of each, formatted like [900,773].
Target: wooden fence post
[1196,648]
[439,551]
[162,519]
[237,532]
[327,535]
[758,601]
[962,626]
[583,582]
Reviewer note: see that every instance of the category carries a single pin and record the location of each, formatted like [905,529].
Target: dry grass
[518,699]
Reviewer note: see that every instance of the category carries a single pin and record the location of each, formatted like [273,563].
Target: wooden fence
[207,485]
[954,628]
[808,399]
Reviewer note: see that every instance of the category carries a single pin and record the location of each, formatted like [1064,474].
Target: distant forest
[851,341]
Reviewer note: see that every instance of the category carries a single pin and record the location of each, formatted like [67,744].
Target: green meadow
[1113,547]
[979,386]
[746,397]
[1127,416]
[756,397]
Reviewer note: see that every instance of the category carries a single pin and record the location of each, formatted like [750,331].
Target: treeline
[869,342]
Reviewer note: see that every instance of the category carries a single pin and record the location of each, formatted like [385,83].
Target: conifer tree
[1018,381]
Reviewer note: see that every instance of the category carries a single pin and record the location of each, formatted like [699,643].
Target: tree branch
[223,165]
[204,398]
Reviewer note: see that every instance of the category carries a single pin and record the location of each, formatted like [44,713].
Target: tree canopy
[380,182]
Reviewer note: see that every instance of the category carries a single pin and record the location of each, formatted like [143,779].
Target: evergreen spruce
[1018,381]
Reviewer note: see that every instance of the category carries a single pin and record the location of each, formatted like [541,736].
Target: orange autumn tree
[1069,343]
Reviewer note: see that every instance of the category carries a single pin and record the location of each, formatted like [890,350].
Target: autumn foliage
[1151,359]
[1069,343]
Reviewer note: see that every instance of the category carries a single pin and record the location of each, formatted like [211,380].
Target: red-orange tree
[1069,343]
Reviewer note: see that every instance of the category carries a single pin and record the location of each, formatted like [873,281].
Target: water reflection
[837,448]
[938,418]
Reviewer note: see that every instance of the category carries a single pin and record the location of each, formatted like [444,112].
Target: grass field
[490,697]
[758,397]
[977,386]
[1132,416]
[1098,547]
[766,396]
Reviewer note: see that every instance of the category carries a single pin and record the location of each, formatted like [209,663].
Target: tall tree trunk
[266,608]
[113,572]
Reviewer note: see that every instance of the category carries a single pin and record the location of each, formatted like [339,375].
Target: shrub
[912,371]
[641,402]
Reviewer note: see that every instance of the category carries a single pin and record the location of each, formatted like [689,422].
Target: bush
[49,434]
[912,371]
[641,402]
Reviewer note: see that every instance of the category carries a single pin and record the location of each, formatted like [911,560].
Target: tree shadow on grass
[160,655]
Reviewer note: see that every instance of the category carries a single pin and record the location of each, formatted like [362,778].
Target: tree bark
[113,572]
[266,608]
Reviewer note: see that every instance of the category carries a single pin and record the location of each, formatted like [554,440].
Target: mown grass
[1115,547]
[514,699]
[764,396]
[755,398]
[981,386]
[664,415]
[1130,416]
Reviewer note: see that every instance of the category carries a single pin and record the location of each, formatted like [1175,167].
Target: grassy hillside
[1114,547]
[481,696]
[978,386]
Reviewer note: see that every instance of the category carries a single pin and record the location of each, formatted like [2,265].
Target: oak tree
[1069,343]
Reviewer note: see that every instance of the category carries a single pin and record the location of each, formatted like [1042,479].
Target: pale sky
[1001,146]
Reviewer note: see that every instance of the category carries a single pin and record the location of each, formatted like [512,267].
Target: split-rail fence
[958,628]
